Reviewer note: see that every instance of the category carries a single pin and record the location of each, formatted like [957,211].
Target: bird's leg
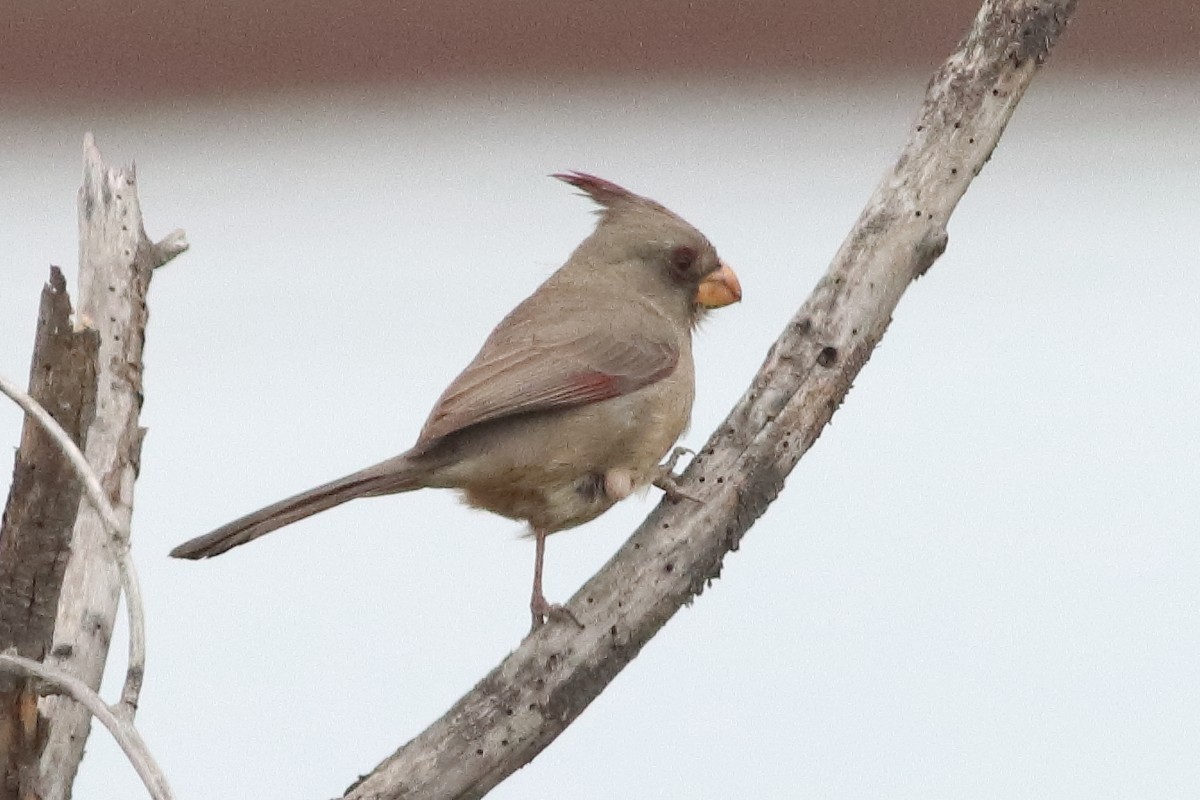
[539,607]
[537,604]
[668,481]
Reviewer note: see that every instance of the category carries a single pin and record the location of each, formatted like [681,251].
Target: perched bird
[575,397]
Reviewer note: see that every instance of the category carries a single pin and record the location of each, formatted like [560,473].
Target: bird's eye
[682,258]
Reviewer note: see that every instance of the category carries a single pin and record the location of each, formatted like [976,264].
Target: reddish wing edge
[594,386]
[467,402]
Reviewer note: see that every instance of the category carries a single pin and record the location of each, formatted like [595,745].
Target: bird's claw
[668,481]
[673,459]
[669,484]
[543,611]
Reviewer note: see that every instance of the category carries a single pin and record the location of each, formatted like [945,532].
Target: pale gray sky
[984,580]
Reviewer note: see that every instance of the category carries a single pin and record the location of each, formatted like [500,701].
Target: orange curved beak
[721,288]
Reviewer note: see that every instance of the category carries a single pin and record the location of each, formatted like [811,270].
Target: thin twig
[119,534]
[121,728]
[91,483]
[170,246]
[135,669]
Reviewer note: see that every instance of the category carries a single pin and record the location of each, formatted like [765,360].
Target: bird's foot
[542,611]
[676,454]
[668,481]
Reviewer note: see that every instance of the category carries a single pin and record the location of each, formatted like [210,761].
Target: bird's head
[641,242]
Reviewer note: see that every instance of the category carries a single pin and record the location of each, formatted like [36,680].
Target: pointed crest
[606,194]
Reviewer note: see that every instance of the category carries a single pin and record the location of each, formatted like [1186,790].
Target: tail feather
[388,477]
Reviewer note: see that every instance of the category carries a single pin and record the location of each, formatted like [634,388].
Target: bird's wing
[525,366]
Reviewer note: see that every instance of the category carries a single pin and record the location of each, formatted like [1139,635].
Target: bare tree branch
[170,246]
[121,727]
[525,702]
[66,445]
[35,536]
[117,260]
[119,538]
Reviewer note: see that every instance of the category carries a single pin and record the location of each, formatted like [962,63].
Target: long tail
[388,477]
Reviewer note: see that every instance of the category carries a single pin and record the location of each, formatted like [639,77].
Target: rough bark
[116,260]
[35,536]
[525,702]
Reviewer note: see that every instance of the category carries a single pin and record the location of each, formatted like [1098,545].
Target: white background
[984,580]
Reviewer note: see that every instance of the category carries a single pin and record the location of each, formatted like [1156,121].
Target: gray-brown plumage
[575,397]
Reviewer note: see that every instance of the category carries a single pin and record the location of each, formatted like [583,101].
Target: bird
[574,398]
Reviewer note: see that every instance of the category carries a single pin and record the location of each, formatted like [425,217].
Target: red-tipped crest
[606,193]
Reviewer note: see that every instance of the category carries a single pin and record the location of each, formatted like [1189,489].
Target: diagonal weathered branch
[525,702]
[116,260]
[35,537]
